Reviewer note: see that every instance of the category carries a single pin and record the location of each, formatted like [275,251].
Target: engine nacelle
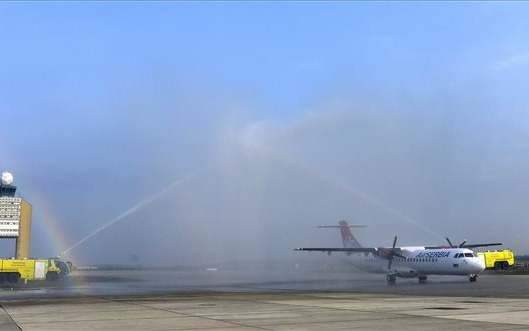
[407,273]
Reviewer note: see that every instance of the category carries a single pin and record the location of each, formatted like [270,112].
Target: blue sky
[282,52]
[106,96]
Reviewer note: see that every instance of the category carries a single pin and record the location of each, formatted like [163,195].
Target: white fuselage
[420,261]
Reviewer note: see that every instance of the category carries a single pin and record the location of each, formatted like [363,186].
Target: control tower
[15,217]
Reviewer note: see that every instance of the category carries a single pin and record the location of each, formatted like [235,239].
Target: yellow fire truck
[497,259]
[11,271]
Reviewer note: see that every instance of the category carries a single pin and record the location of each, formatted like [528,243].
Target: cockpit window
[469,255]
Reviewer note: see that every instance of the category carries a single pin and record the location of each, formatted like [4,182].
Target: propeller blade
[449,242]
[392,253]
[462,243]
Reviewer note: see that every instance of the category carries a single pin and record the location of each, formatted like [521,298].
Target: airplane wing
[341,249]
[465,246]
[383,252]
[480,245]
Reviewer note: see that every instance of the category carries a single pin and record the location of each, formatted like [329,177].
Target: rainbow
[45,222]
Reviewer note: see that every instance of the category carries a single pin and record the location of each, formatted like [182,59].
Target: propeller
[458,246]
[392,253]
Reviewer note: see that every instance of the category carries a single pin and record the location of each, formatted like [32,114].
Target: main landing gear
[422,279]
[392,279]
[472,277]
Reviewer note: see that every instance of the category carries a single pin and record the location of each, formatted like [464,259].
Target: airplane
[408,262]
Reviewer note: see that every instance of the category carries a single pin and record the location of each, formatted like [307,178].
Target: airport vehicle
[497,259]
[12,270]
[408,262]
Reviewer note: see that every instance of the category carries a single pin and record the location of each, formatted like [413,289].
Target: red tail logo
[347,236]
[346,231]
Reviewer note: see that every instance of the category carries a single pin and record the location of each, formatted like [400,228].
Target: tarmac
[359,303]
[252,311]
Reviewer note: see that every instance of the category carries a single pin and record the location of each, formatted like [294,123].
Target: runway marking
[9,318]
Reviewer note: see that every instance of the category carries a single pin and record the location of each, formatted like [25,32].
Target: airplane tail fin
[349,241]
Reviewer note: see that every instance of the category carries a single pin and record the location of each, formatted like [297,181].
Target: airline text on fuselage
[437,254]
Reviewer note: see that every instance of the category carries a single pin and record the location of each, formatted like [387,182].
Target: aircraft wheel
[422,279]
[473,277]
[392,279]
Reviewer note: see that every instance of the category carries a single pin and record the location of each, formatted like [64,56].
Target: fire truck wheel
[52,276]
[13,277]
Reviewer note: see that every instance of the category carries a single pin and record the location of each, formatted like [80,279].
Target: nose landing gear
[472,277]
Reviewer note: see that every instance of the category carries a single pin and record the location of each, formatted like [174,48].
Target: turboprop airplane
[408,262]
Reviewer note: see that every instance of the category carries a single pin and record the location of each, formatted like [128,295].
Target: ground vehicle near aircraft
[408,262]
[12,270]
[497,259]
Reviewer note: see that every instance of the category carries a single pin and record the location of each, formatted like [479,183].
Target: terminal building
[15,217]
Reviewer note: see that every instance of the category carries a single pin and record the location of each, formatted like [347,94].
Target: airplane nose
[479,265]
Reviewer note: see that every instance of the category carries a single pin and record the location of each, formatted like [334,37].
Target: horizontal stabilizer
[340,226]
